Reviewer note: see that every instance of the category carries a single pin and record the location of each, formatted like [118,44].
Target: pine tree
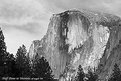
[2,54]
[92,76]
[10,64]
[42,69]
[116,75]
[7,60]
[80,74]
[22,63]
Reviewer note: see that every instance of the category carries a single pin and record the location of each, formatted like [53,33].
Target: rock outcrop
[35,48]
[80,38]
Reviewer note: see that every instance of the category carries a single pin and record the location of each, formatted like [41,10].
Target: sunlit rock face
[35,48]
[77,38]
[112,53]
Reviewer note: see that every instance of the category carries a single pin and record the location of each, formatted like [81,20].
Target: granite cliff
[86,38]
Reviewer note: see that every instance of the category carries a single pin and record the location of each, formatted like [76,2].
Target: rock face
[80,38]
[35,48]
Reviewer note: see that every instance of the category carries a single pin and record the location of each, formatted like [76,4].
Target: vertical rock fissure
[63,31]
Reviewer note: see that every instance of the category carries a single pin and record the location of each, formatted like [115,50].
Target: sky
[23,21]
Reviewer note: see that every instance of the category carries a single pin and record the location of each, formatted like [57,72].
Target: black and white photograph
[60,40]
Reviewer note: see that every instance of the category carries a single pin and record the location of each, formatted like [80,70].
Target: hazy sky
[23,21]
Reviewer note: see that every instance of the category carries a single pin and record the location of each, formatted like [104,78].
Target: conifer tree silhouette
[2,54]
[92,76]
[80,74]
[116,75]
[22,63]
[42,69]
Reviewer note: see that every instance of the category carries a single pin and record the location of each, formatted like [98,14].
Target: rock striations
[82,38]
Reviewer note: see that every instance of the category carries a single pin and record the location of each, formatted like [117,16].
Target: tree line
[92,76]
[19,66]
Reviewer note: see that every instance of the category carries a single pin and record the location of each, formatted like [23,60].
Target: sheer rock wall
[80,38]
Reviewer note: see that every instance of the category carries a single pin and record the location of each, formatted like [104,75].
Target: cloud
[21,11]
[22,22]
[20,8]
[108,6]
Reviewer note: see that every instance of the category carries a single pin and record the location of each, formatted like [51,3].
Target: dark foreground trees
[116,75]
[90,76]
[2,54]
[41,69]
[80,74]
[23,68]
[38,69]
[7,60]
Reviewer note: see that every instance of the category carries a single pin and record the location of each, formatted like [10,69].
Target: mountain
[87,38]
